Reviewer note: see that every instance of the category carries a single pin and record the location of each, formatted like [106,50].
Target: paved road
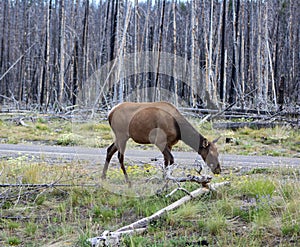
[97,156]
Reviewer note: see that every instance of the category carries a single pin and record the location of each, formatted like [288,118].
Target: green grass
[13,241]
[261,207]
[278,141]
[56,131]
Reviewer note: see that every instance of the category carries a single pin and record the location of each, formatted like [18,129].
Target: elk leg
[168,157]
[121,160]
[110,152]
[121,147]
[169,160]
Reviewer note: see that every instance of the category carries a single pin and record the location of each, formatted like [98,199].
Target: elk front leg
[168,157]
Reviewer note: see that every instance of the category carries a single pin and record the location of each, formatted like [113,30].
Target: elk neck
[189,135]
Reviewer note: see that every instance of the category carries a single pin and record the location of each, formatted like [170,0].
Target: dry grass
[261,208]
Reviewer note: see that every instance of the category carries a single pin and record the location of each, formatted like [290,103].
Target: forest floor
[72,204]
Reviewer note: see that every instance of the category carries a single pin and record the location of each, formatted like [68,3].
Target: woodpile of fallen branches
[251,118]
[252,125]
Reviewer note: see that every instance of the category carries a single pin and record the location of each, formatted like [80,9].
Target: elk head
[210,155]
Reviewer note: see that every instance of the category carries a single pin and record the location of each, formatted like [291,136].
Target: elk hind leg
[121,160]
[110,152]
[121,149]
[168,158]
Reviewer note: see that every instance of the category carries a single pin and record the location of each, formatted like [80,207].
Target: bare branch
[108,238]
[203,179]
[13,65]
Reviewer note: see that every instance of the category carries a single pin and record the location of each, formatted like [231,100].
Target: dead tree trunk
[44,83]
[175,83]
[2,50]
[222,72]
[156,95]
[193,76]
[84,51]
[61,82]
[234,87]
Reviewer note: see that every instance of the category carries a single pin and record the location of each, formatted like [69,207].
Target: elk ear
[205,143]
[215,140]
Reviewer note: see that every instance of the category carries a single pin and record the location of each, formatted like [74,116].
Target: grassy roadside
[278,141]
[260,208]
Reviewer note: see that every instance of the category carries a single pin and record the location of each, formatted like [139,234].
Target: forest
[62,54]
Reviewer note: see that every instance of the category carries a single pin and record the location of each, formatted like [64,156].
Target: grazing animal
[158,123]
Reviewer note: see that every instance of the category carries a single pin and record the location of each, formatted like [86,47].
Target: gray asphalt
[97,156]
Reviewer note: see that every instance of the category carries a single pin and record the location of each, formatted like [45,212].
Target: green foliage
[31,228]
[258,187]
[42,127]
[135,241]
[216,223]
[13,241]
[186,213]
[261,206]
[12,140]
[12,225]
[291,219]
[277,141]
[82,241]
[95,127]
[133,171]
[260,170]
[40,200]
[69,139]
[104,214]
[41,120]
[256,200]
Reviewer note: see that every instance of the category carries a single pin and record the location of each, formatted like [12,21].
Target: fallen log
[21,122]
[252,125]
[108,238]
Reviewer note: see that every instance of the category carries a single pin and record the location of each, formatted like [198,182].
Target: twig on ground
[202,179]
[177,189]
[21,122]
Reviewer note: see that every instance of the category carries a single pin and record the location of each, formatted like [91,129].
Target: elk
[158,123]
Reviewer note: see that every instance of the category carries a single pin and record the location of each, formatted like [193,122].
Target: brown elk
[158,123]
